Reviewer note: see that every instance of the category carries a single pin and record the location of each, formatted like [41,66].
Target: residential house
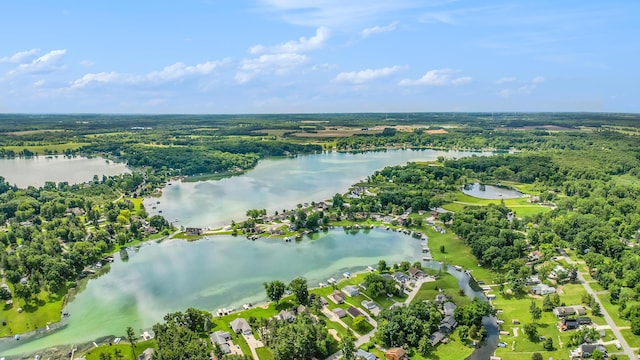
[542,289]
[339,312]
[532,280]
[584,320]
[534,256]
[147,354]
[351,290]
[193,231]
[354,312]
[396,354]
[240,325]
[221,338]
[585,351]
[286,315]
[449,308]
[441,299]
[361,354]
[447,324]
[567,324]
[369,305]
[337,297]
[564,311]
[416,273]
[400,278]
[436,338]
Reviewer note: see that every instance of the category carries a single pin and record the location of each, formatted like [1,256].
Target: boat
[458,267]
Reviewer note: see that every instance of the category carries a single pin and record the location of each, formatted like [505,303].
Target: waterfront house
[396,354]
[240,325]
[449,308]
[416,273]
[354,312]
[193,231]
[221,338]
[441,299]
[147,354]
[337,297]
[286,315]
[447,324]
[339,312]
[400,278]
[351,290]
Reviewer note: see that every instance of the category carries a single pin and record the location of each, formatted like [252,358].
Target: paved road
[625,346]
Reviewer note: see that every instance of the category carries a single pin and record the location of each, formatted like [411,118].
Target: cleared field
[42,149]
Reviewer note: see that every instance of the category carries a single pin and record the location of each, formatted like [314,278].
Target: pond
[36,170]
[277,184]
[491,192]
[212,273]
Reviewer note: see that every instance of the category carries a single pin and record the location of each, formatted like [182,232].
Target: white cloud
[87,63]
[537,79]
[438,77]
[378,29]
[527,88]
[437,17]
[506,79]
[103,77]
[38,83]
[269,64]
[20,57]
[180,70]
[359,77]
[296,46]
[175,72]
[45,63]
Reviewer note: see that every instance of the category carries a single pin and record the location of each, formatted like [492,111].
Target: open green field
[38,312]
[449,286]
[456,253]
[520,206]
[264,353]
[42,149]
[123,350]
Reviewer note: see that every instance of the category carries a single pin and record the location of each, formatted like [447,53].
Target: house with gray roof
[351,290]
[449,308]
[365,355]
[240,325]
[221,338]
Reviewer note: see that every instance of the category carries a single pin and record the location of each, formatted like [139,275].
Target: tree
[597,355]
[360,324]
[548,344]
[546,304]
[348,346]
[535,311]
[105,356]
[596,310]
[300,290]
[536,356]
[531,330]
[442,249]
[424,346]
[118,353]
[23,291]
[275,290]
[131,337]
[382,266]
[217,350]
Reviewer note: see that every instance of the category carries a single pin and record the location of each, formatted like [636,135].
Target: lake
[36,170]
[216,272]
[225,271]
[277,184]
[491,192]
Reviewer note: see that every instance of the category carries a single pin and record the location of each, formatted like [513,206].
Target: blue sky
[273,56]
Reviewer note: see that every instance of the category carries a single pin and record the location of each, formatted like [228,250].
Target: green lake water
[36,170]
[225,271]
[212,273]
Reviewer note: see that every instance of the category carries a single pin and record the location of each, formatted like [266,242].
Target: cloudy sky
[271,56]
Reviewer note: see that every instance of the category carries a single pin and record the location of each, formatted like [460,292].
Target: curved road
[625,346]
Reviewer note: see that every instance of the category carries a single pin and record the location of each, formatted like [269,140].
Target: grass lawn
[124,350]
[43,310]
[456,253]
[633,340]
[519,347]
[571,294]
[520,206]
[264,353]
[40,149]
[334,325]
[612,310]
[454,350]
[448,283]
